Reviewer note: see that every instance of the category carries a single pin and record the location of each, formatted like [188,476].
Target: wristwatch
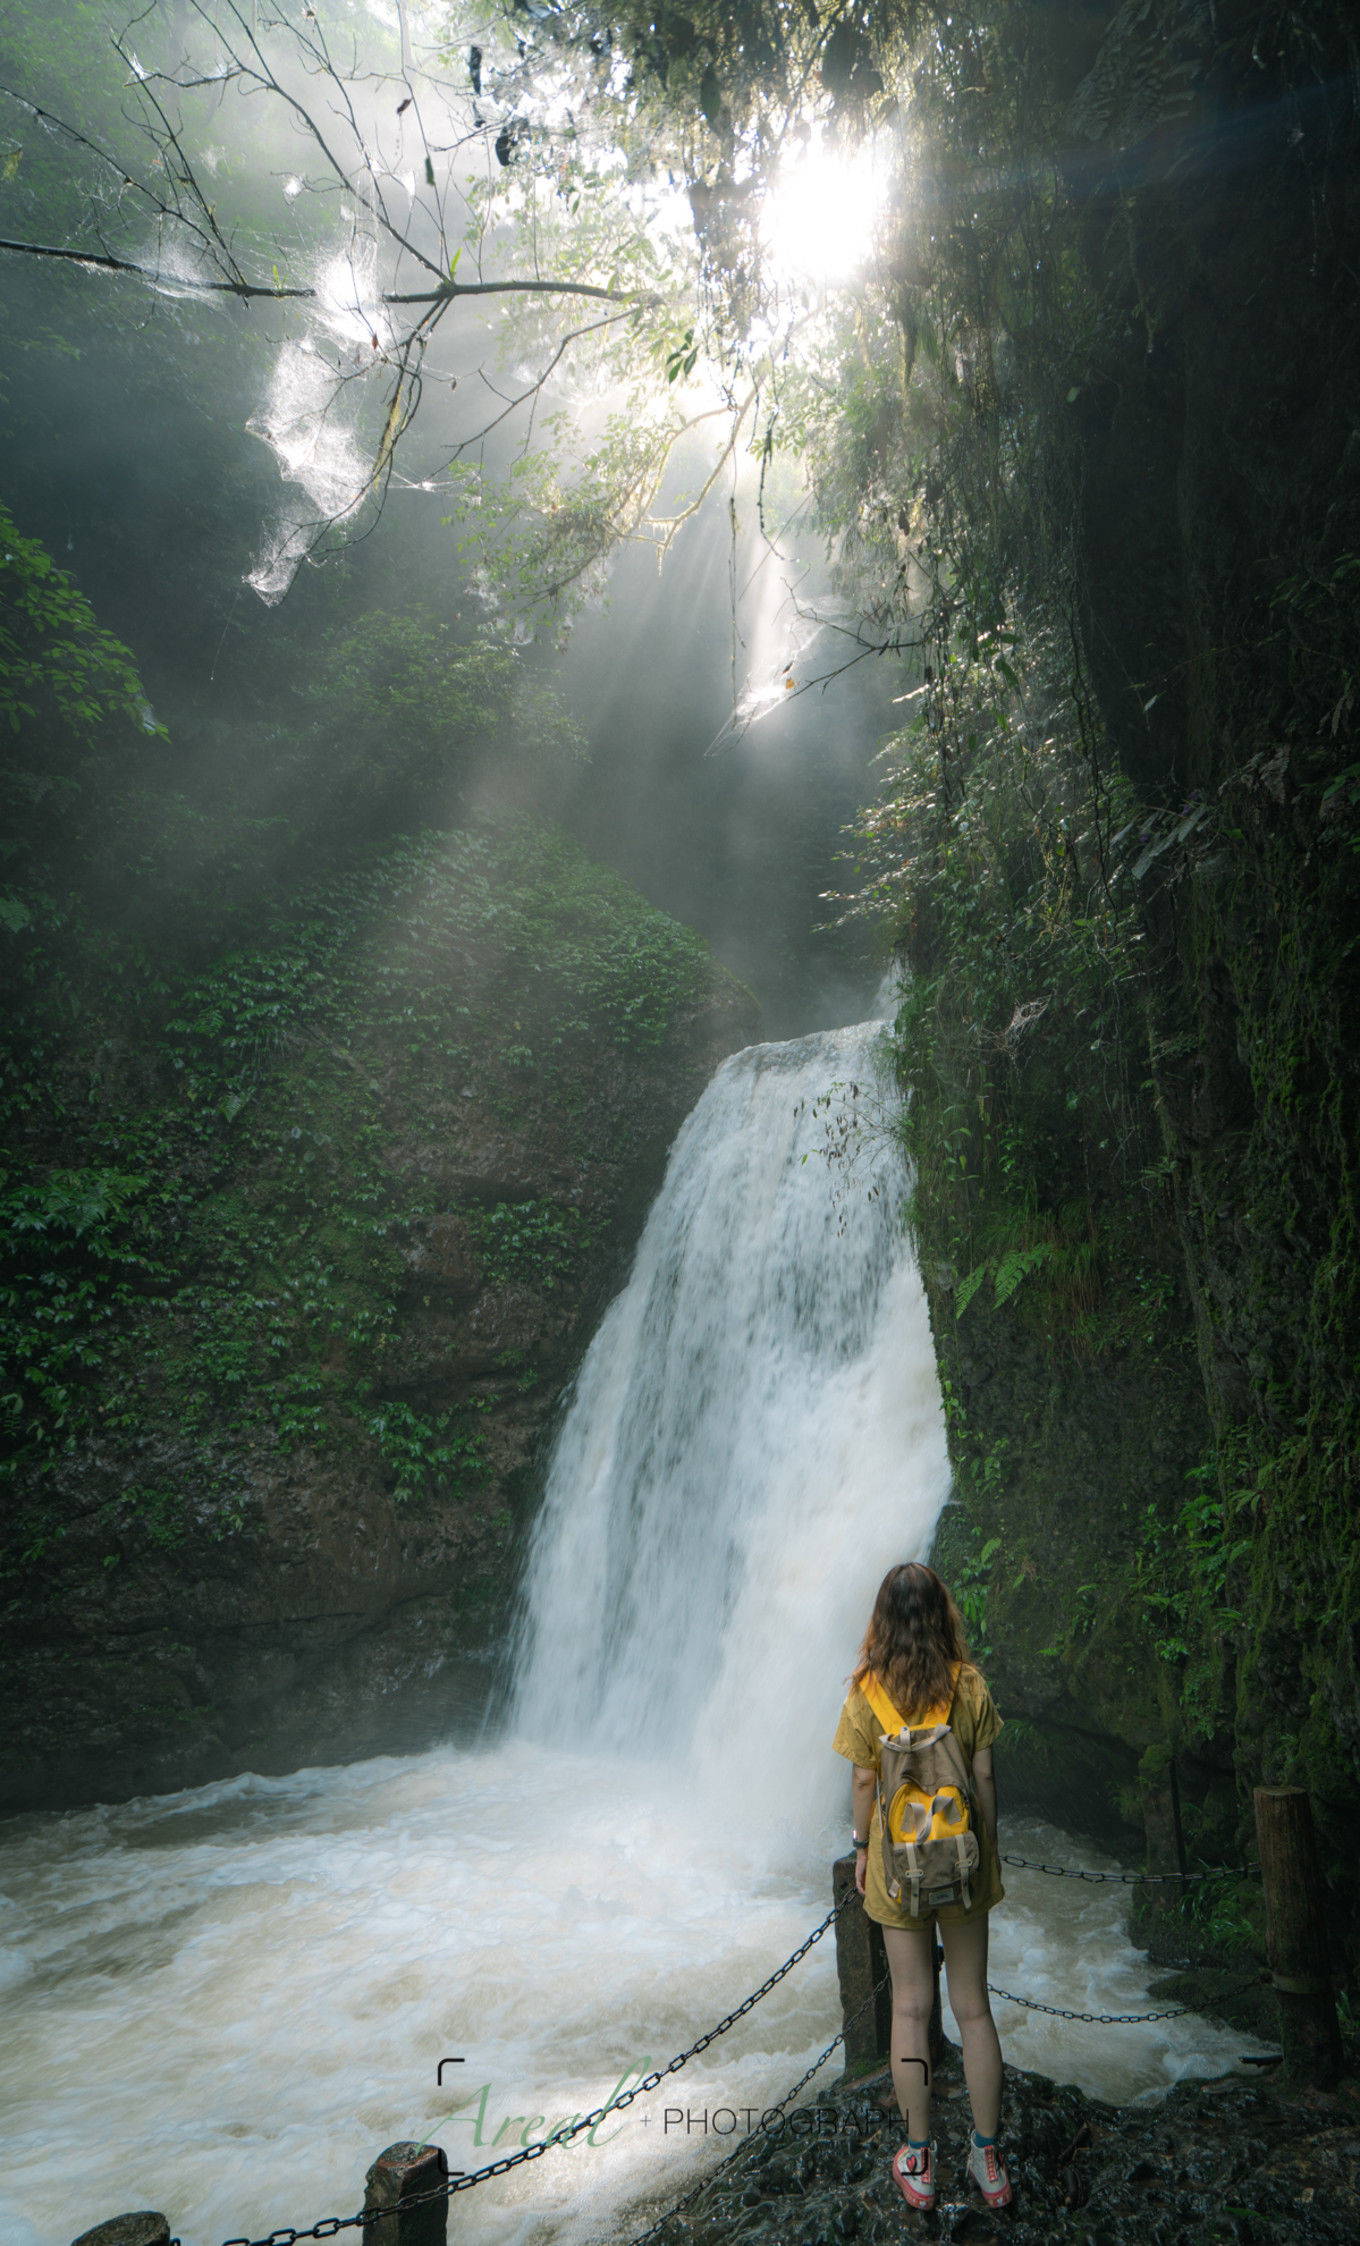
[855,1840]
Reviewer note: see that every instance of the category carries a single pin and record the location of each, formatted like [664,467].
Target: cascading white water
[756,1433]
[224,2002]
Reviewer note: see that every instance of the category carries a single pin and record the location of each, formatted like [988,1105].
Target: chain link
[460,2181]
[765,2122]
[1119,2019]
[1118,1879]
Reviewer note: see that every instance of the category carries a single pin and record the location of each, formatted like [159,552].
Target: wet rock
[1212,2163]
[443,1254]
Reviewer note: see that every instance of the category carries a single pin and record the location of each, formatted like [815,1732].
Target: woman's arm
[863,1785]
[984,1780]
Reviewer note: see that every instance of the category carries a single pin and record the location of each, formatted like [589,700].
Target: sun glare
[818,218]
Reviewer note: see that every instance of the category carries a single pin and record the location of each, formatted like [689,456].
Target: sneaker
[988,2171]
[914,2176]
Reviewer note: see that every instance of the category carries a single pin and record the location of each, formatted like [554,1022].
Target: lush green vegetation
[1082,446]
[206,1227]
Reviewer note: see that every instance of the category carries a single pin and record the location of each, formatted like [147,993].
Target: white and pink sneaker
[988,2171]
[915,2175]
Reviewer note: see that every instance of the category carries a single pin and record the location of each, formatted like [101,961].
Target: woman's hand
[861,1870]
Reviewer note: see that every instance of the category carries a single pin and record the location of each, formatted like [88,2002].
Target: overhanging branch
[444,294]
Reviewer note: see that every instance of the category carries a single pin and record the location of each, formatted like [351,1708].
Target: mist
[126,429]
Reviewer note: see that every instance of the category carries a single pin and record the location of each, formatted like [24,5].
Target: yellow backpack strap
[889,1719]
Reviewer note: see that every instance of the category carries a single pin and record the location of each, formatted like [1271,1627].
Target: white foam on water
[224,2003]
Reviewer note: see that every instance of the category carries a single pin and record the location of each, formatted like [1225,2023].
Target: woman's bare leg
[913,1990]
[965,1959]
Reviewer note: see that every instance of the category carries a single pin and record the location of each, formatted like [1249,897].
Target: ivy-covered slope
[311,1191]
[292,1292]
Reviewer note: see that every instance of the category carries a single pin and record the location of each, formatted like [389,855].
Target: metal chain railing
[1117,1879]
[765,2123]
[331,2224]
[1120,2019]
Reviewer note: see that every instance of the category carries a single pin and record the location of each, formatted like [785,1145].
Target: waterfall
[755,1436]
[224,2001]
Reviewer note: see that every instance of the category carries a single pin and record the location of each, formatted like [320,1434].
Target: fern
[1017,1265]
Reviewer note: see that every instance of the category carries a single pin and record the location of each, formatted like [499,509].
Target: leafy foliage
[70,700]
[404,715]
[531,1240]
[224,1262]
[425,1453]
[58,670]
[1190,1569]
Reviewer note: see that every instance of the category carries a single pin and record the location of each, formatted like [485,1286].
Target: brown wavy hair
[914,1639]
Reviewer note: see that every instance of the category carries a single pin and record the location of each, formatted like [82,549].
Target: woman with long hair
[913,1666]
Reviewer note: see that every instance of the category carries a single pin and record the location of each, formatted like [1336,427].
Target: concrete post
[860,1961]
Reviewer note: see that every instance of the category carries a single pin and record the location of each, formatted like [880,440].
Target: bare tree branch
[306,294]
[373,300]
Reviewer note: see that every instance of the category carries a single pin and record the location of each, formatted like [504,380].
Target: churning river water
[223,2003]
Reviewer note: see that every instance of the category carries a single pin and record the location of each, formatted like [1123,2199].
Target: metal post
[402,2173]
[142,2229]
[861,1961]
[1296,1935]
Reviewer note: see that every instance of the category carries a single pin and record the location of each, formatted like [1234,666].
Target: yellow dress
[975,1723]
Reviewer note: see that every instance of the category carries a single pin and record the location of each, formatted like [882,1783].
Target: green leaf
[1017,1266]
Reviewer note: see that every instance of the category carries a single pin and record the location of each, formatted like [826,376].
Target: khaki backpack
[926,1805]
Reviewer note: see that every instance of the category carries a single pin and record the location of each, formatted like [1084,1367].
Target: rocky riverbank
[1213,2162]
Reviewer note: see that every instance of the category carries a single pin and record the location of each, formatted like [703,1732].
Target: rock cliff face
[1063,1455]
[374,1244]
[1136,1102]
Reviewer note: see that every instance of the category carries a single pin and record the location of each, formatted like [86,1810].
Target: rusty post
[1296,1935]
[861,1960]
[142,2229]
[403,2172]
